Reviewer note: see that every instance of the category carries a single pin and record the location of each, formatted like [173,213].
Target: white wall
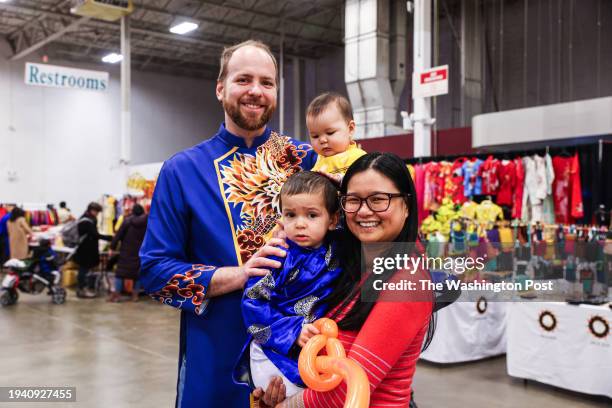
[170,114]
[62,144]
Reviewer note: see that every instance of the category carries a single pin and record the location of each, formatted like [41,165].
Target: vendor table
[560,344]
[468,331]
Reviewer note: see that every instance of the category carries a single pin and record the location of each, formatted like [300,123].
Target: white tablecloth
[562,345]
[468,331]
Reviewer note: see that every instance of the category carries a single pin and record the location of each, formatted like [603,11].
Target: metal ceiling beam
[113,28]
[39,17]
[273,16]
[167,53]
[236,26]
[50,38]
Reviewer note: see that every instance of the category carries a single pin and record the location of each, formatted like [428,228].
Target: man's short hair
[321,102]
[309,182]
[227,53]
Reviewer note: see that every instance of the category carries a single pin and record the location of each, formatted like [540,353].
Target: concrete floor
[125,355]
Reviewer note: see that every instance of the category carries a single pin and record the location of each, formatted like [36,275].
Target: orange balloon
[324,373]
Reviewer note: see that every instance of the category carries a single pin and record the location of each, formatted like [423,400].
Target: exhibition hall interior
[197,197]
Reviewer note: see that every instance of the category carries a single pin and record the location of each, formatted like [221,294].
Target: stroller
[33,276]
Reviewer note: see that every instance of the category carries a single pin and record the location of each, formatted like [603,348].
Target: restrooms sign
[62,77]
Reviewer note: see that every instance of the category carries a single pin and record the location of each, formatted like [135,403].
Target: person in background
[46,258]
[87,254]
[64,213]
[4,238]
[18,232]
[130,236]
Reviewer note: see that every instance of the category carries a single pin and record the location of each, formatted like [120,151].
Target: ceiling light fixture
[112,58]
[183,28]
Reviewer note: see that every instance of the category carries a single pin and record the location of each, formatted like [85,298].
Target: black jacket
[131,234]
[88,254]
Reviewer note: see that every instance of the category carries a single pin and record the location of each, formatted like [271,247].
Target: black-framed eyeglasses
[377,202]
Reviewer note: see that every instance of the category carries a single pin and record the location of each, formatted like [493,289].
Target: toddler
[330,123]
[279,307]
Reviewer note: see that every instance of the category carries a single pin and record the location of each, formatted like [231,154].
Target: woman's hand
[308,331]
[259,264]
[274,395]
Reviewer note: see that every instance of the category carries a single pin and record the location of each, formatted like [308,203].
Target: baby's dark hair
[308,182]
[321,102]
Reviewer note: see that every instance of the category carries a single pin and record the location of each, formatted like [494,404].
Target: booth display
[468,331]
[564,345]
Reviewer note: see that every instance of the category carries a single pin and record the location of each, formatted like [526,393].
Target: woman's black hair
[392,167]
[137,210]
[16,213]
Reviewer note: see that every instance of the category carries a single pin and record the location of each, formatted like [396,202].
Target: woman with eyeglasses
[383,331]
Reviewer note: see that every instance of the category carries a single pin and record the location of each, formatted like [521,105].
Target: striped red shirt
[387,347]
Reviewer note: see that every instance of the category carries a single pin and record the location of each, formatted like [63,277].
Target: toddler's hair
[321,102]
[309,182]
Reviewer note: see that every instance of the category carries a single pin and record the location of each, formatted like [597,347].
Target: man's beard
[244,122]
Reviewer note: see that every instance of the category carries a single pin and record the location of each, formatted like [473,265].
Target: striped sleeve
[391,336]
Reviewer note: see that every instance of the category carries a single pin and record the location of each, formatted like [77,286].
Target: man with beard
[216,204]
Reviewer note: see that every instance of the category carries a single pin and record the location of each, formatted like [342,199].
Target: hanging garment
[454,183]
[561,188]
[472,183]
[549,241]
[468,210]
[517,206]
[458,239]
[487,211]
[548,208]
[411,171]
[560,244]
[535,188]
[507,182]
[506,239]
[577,210]
[431,186]
[489,174]
[443,178]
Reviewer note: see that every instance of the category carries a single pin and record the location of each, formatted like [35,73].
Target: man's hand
[259,264]
[275,394]
[308,331]
[230,278]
